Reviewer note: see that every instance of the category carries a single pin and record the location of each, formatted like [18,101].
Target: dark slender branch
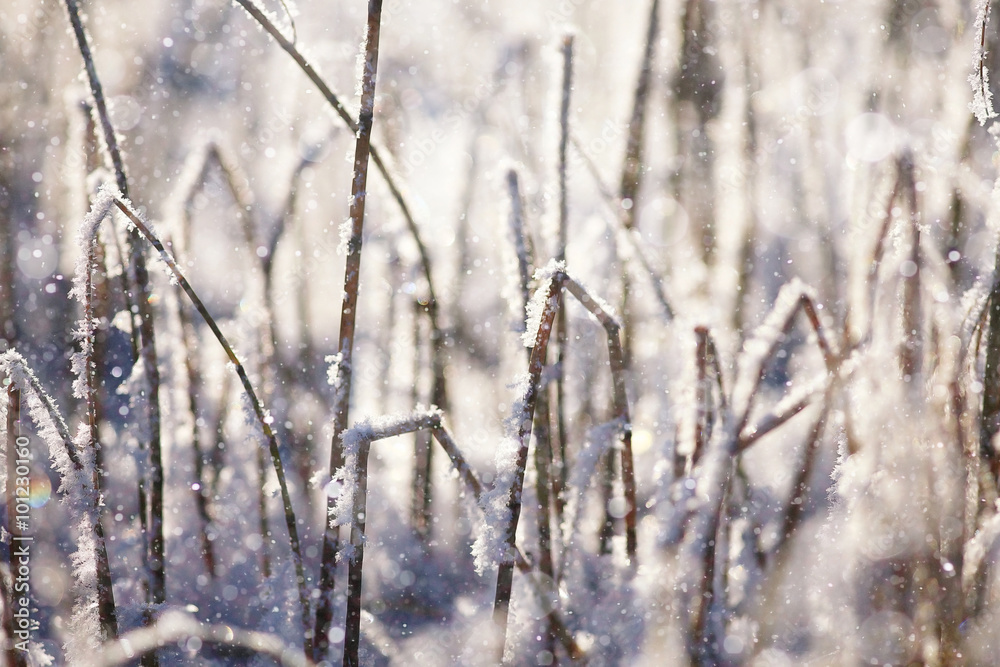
[376,157]
[505,573]
[614,204]
[348,312]
[147,347]
[262,418]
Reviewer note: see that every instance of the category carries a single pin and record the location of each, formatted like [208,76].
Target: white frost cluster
[540,299]
[334,374]
[345,479]
[78,492]
[765,338]
[346,230]
[982,97]
[490,547]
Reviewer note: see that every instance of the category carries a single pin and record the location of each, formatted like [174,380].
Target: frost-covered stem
[522,244]
[265,530]
[352,640]
[88,371]
[15,658]
[327,573]
[363,436]
[543,488]
[631,178]
[567,87]
[262,418]
[77,475]
[982,101]
[420,482]
[616,356]
[439,391]
[911,353]
[83,43]
[633,239]
[86,387]
[438,336]
[606,532]
[703,396]
[352,272]
[189,339]
[561,326]
[505,573]
[147,347]
[465,471]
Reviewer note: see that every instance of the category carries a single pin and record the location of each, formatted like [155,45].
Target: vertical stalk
[911,353]
[561,331]
[105,591]
[352,639]
[420,486]
[522,247]
[147,345]
[505,573]
[543,486]
[202,493]
[631,179]
[348,311]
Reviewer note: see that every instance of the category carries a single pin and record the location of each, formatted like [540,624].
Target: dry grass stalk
[262,417]
[348,313]
[438,336]
[631,239]
[360,438]
[559,282]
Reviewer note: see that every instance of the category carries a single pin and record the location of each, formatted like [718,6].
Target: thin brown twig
[553,298]
[147,344]
[438,336]
[348,315]
[262,418]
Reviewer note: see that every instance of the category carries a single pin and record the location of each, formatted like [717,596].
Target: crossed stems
[553,301]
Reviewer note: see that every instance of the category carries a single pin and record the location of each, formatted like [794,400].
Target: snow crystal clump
[540,300]
[344,482]
[346,231]
[334,374]
[982,97]
[490,547]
